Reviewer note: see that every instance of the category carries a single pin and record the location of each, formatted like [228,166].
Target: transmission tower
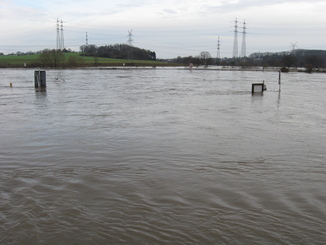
[130,38]
[130,56]
[62,42]
[86,39]
[235,42]
[243,47]
[58,35]
[294,46]
[218,48]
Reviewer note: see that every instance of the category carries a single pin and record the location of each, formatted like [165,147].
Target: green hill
[73,60]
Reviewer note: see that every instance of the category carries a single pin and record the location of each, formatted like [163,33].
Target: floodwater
[162,156]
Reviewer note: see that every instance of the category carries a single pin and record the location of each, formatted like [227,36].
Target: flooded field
[162,156]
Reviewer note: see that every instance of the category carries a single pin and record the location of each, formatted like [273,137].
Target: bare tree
[204,55]
[52,58]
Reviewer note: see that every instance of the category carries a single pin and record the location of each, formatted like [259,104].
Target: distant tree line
[118,51]
[19,53]
[309,59]
[204,58]
[297,58]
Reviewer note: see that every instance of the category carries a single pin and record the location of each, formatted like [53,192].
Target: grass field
[16,60]
[33,60]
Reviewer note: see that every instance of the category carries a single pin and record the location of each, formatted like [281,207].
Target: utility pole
[235,42]
[243,47]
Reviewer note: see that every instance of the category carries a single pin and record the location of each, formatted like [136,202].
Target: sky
[171,28]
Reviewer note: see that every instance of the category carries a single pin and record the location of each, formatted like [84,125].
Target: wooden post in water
[39,79]
[279,80]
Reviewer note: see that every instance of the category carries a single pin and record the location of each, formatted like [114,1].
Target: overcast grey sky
[170,28]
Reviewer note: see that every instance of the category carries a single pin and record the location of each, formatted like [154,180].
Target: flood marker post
[39,79]
[257,88]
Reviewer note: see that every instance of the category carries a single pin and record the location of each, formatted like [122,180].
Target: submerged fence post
[39,79]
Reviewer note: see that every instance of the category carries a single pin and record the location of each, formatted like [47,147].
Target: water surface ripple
[162,156]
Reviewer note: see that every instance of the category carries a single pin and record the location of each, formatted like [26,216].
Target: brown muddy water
[162,156]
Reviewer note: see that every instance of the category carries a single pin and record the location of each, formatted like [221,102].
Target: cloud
[169,11]
[169,27]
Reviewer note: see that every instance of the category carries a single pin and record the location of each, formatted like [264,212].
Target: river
[162,156]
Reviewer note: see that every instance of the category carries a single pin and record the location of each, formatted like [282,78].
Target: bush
[52,58]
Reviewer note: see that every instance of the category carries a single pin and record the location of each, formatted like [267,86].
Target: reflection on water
[162,156]
[40,91]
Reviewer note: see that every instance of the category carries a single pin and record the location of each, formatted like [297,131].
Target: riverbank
[76,60]
[72,60]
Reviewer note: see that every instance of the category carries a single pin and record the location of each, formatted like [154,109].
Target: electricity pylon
[235,42]
[243,47]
